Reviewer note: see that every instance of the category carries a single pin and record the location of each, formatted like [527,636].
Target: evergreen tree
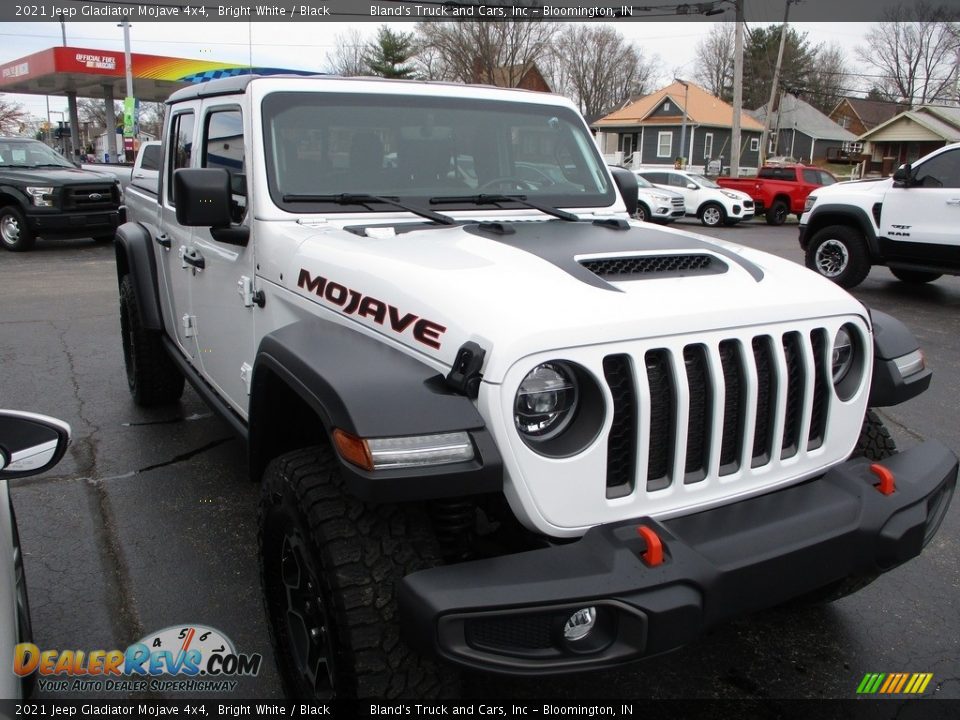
[388,54]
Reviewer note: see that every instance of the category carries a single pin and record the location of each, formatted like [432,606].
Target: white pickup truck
[497,422]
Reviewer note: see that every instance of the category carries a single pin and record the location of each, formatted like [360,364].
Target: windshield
[703,181]
[415,149]
[30,154]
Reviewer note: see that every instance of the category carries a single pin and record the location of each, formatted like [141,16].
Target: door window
[223,148]
[943,171]
[181,147]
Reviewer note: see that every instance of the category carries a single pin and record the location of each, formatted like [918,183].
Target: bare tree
[150,117]
[829,80]
[598,69]
[93,111]
[12,116]
[714,61]
[482,52]
[914,50]
[347,58]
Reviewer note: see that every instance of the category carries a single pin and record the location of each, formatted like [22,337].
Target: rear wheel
[712,215]
[15,235]
[152,377]
[330,566]
[777,213]
[914,276]
[838,253]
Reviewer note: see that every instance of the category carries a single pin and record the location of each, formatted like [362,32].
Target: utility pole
[737,91]
[776,80]
[683,124]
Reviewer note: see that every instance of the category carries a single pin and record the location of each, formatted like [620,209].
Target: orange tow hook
[886,484]
[653,555]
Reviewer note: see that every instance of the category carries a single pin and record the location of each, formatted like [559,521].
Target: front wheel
[712,215]
[642,213]
[15,235]
[329,567]
[914,277]
[838,253]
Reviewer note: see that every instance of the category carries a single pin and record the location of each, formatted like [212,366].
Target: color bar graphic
[894,683]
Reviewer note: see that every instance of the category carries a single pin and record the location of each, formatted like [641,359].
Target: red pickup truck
[779,190]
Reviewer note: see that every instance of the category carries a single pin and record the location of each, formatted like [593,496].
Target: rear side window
[151,158]
[656,177]
[680,181]
[181,146]
[223,148]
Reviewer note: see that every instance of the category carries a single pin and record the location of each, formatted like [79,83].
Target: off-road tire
[914,277]
[777,213]
[712,215]
[15,234]
[152,377]
[875,443]
[643,212]
[838,253]
[331,564]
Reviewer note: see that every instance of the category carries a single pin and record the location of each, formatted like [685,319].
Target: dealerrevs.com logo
[180,658]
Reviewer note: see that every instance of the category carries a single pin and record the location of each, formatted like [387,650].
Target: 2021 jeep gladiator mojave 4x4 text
[909,222]
[42,193]
[490,432]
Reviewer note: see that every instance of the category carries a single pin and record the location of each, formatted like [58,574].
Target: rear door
[927,212]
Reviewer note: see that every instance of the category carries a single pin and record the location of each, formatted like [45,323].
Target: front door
[928,211]
[222,291]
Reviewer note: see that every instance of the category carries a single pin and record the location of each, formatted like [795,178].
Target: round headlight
[843,355]
[546,401]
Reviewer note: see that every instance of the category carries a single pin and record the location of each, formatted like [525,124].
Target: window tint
[656,177]
[826,178]
[181,146]
[151,158]
[812,176]
[941,171]
[680,181]
[223,148]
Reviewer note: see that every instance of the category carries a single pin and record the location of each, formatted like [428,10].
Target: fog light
[579,625]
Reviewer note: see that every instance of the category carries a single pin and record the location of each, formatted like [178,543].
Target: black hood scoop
[654,266]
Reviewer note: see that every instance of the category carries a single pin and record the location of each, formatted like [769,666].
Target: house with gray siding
[798,130]
[650,130]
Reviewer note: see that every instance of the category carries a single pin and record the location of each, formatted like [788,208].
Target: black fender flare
[135,257]
[370,389]
[839,214]
[892,339]
[17,194]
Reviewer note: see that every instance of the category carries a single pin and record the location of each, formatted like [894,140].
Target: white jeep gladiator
[908,222]
[498,424]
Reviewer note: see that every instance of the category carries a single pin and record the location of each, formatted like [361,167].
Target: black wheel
[152,377]
[838,253]
[914,276]
[777,213]
[643,213]
[712,215]
[329,566]
[15,235]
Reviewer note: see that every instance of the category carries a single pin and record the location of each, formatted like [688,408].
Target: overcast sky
[304,45]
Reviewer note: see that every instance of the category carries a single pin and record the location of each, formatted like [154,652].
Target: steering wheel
[508,182]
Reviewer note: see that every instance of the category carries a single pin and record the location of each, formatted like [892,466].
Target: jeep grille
[673,410]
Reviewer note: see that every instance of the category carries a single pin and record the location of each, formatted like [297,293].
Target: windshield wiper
[366,200]
[487,199]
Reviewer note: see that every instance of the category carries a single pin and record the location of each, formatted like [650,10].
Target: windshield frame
[275,102]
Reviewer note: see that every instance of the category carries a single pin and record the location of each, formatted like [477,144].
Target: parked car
[908,222]
[703,198]
[29,444]
[146,168]
[44,194]
[657,204]
[779,190]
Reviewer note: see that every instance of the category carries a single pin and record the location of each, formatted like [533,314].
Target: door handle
[163,240]
[192,257]
[953,201]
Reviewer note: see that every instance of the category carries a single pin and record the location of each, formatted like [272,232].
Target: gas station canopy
[88,72]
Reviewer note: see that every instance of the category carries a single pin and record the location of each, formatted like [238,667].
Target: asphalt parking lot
[149,520]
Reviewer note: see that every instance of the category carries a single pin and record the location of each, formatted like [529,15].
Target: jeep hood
[519,288]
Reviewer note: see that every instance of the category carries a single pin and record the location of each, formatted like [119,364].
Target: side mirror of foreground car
[30,444]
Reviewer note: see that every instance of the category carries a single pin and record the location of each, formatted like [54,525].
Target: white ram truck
[497,423]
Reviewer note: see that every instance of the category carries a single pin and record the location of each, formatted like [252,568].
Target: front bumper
[506,614]
[74,224]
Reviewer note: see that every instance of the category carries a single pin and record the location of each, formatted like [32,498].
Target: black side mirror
[30,444]
[626,183]
[901,178]
[203,197]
